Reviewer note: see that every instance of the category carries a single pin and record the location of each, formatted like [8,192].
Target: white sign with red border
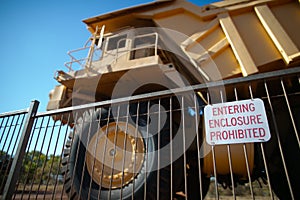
[236,122]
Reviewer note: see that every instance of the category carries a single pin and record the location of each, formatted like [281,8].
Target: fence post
[18,158]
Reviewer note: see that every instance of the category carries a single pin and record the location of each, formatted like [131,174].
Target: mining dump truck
[169,46]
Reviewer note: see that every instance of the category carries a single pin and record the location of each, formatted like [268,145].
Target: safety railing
[84,58]
[81,62]
[152,146]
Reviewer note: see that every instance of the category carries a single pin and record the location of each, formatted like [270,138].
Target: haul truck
[170,44]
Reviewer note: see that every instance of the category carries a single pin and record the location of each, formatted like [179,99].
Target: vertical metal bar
[94,153]
[278,139]
[171,148]
[103,155]
[156,43]
[88,140]
[245,154]
[135,149]
[91,51]
[125,147]
[215,171]
[113,157]
[184,152]
[24,160]
[2,150]
[71,136]
[5,126]
[248,171]
[55,148]
[229,158]
[17,162]
[77,148]
[19,132]
[231,170]
[7,153]
[267,171]
[38,135]
[8,132]
[214,161]
[146,159]
[61,157]
[263,153]
[198,145]
[46,155]
[26,156]
[158,152]
[9,145]
[290,112]
[1,125]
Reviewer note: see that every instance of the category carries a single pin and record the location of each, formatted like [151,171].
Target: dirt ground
[242,192]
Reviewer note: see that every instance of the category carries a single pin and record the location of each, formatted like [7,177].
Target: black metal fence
[152,146]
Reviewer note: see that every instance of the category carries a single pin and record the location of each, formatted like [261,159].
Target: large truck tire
[80,184]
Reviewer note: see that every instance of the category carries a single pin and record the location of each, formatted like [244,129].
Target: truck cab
[136,52]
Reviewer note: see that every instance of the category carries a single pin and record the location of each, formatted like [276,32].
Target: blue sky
[35,37]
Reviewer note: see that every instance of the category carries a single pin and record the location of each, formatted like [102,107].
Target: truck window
[144,47]
[144,41]
[113,42]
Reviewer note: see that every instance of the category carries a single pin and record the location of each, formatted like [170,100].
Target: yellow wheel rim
[115,155]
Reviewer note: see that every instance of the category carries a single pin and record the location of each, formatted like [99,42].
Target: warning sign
[236,122]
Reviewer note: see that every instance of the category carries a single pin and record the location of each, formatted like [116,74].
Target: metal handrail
[73,59]
[13,113]
[79,61]
[82,60]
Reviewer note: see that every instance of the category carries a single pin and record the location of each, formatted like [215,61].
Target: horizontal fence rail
[153,146]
